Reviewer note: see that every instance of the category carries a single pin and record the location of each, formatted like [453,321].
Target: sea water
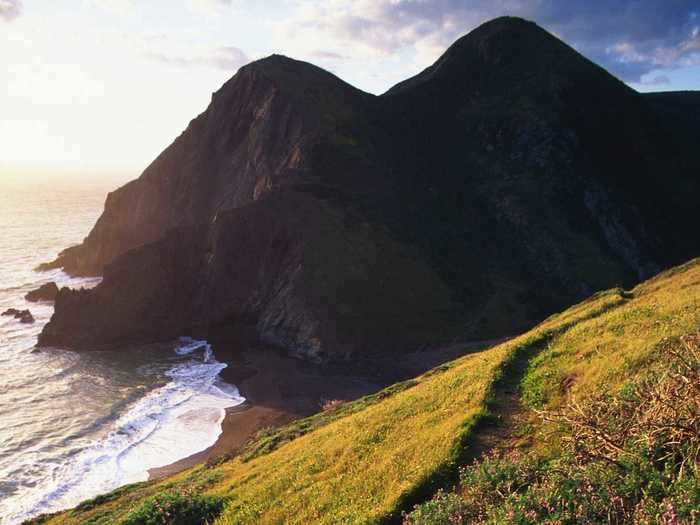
[76,425]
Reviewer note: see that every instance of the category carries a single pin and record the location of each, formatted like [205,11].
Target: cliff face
[254,136]
[506,181]
[292,265]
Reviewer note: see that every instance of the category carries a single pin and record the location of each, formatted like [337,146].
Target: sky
[97,88]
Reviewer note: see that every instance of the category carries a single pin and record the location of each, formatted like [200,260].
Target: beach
[272,400]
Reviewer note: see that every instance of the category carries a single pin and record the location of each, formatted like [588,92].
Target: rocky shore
[24,316]
[46,292]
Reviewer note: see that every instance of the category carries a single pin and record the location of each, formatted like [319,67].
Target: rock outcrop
[255,136]
[24,316]
[506,181]
[46,292]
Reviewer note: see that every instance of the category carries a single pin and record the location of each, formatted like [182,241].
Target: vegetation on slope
[615,408]
[631,457]
[379,456]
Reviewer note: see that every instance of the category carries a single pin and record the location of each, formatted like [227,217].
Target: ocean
[76,425]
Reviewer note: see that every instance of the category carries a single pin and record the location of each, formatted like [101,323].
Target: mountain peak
[509,48]
[505,24]
[501,35]
[295,197]
[276,61]
[294,77]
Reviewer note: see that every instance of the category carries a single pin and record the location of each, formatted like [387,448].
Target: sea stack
[46,292]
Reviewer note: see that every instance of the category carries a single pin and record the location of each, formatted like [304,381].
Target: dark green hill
[508,180]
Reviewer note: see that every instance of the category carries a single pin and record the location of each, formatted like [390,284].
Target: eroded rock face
[253,137]
[510,179]
[46,292]
[290,264]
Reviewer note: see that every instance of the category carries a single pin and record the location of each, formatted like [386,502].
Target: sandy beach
[273,399]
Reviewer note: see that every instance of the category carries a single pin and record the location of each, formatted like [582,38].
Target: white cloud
[198,6]
[684,52]
[632,39]
[626,52]
[658,80]
[228,58]
[208,6]
[10,9]
[114,6]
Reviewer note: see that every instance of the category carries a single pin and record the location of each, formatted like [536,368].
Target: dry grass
[652,419]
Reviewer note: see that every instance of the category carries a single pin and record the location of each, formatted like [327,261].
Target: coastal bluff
[508,180]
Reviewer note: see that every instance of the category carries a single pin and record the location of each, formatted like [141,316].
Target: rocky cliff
[504,182]
[254,136]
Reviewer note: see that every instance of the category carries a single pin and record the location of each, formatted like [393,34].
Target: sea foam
[169,423]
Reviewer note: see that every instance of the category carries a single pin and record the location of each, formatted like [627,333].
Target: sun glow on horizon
[102,87]
[65,179]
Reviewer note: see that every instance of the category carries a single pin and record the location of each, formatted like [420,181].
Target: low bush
[331,404]
[629,458]
[176,508]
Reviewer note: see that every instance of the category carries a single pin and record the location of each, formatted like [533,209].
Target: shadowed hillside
[505,182]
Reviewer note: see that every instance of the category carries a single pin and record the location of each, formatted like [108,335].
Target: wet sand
[279,388]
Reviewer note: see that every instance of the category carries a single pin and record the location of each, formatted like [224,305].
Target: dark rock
[24,316]
[505,182]
[46,292]
[276,284]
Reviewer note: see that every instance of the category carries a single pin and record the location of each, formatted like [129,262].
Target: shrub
[104,498]
[445,508]
[176,508]
[630,458]
[331,404]
[656,420]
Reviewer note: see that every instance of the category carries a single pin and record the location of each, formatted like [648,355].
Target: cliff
[508,180]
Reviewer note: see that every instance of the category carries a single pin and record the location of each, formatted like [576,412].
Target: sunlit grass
[606,351]
[372,458]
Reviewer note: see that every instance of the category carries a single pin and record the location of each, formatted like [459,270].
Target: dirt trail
[498,431]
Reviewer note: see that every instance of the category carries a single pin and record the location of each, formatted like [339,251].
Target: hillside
[369,460]
[507,181]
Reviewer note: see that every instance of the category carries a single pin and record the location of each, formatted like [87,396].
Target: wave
[171,422]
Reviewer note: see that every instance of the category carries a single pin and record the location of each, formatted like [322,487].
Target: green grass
[176,508]
[605,351]
[628,457]
[594,365]
[270,439]
[366,461]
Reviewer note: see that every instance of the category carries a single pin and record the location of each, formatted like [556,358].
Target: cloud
[10,9]
[658,80]
[228,58]
[208,6]
[199,6]
[629,37]
[323,54]
[114,6]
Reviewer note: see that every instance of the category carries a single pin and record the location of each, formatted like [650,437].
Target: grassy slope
[606,352]
[379,454]
[588,373]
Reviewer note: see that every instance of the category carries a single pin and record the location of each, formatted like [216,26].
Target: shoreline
[274,399]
